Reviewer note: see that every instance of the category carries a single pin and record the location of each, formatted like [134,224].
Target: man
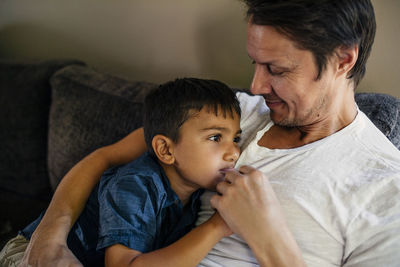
[324,181]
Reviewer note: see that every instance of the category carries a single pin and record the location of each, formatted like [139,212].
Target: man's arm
[48,246]
[187,251]
[250,208]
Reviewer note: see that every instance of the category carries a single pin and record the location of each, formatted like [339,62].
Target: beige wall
[383,69]
[158,40]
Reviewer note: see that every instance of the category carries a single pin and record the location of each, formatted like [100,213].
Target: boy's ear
[163,148]
[347,58]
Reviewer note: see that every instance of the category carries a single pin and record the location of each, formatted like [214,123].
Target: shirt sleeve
[254,117]
[128,205]
[374,239]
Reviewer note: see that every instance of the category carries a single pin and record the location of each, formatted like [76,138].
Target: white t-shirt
[340,195]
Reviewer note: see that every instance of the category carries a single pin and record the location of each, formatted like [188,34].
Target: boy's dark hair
[321,26]
[167,107]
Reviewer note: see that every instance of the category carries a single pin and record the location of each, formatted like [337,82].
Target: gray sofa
[53,113]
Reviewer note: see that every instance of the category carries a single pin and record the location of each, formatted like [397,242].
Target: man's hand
[249,206]
[42,251]
[247,202]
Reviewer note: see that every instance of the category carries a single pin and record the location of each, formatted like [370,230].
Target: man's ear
[163,148]
[347,57]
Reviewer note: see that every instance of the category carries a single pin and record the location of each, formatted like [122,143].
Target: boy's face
[207,147]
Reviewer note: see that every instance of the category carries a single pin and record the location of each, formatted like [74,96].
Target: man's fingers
[231,175]
[245,169]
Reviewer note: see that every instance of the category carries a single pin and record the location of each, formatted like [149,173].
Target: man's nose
[260,84]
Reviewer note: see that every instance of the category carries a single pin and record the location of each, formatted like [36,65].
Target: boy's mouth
[227,169]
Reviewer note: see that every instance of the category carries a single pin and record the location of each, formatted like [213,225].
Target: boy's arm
[48,246]
[187,251]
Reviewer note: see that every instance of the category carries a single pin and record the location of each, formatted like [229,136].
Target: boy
[141,210]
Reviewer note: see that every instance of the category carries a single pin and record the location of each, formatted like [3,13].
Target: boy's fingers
[222,186]
[214,201]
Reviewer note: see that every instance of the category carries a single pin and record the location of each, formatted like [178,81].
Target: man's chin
[284,122]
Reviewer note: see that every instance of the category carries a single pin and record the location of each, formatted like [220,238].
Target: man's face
[207,147]
[286,76]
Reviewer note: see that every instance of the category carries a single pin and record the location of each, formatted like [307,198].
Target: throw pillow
[89,110]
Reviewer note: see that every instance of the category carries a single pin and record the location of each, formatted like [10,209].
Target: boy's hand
[218,222]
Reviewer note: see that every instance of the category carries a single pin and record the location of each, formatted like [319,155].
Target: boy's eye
[237,139]
[215,138]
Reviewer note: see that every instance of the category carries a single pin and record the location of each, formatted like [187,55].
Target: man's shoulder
[377,144]
[254,117]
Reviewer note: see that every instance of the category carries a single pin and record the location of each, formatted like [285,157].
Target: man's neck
[281,137]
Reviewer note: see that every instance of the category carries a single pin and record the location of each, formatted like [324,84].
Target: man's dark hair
[167,107]
[321,26]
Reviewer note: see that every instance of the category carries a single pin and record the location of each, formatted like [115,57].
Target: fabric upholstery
[384,111]
[24,109]
[89,110]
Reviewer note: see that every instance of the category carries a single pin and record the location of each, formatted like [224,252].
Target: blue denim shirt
[133,205]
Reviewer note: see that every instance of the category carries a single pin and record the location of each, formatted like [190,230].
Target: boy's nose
[232,154]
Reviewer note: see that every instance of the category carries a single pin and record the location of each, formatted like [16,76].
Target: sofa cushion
[24,108]
[89,110]
[384,111]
